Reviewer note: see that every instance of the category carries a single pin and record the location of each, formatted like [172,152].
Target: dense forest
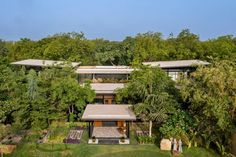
[150,46]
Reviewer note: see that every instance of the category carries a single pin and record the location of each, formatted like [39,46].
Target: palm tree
[153,92]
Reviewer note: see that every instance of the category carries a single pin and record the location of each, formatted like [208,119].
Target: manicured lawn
[85,150]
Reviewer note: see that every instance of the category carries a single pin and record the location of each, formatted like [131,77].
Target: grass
[85,150]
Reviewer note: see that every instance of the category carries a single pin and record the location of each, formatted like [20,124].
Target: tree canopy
[30,99]
[153,94]
[210,94]
[150,46]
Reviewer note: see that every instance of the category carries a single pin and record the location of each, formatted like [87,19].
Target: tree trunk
[72,109]
[69,110]
[150,128]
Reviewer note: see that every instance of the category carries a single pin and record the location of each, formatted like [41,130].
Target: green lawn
[85,150]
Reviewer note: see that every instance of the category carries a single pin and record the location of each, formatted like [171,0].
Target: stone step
[108,141]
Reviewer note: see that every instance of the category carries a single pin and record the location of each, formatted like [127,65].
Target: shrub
[4,130]
[93,138]
[122,139]
[179,123]
[146,139]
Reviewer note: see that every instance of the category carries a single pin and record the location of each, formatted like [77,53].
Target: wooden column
[89,130]
[127,130]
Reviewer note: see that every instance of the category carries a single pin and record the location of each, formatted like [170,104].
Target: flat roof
[104,70]
[109,112]
[176,64]
[43,63]
[106,88]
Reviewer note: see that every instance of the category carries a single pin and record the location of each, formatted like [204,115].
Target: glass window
[84,77]
[173,75]
[109,78]
[98,101]
[109,123]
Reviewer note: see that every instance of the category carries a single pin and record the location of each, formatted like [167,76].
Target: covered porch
[108,132]
[108,122]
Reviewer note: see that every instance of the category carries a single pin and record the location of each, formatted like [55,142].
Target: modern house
[108,121]
[105,80]
[174,68]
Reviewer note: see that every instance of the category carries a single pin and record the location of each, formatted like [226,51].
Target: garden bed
[74,135]
[61,132]
[14,138]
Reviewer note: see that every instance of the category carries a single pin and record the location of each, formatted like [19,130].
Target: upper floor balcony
[104,74]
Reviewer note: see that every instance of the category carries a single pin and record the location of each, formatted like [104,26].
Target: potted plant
[94,139]
[122,139]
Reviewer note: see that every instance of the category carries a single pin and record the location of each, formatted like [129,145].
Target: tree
[68,96]
[32,111]
[210,93]
[153,94]
[149,47]
[7,91]
[223,48]
[22,49]
[51,94]
[3,49]
[180,125]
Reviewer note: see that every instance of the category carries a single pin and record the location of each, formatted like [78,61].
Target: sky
[115,19]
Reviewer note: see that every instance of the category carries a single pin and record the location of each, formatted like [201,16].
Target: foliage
[3,49]
[153,92]
[70,96]
[4,130]
[210,93]
[31,100]
[177,124]
[146,139]
[150,46]
[7,91]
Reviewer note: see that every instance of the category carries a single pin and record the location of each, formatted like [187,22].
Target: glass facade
[175,73]
[83,77]
[104,78]
[105,99]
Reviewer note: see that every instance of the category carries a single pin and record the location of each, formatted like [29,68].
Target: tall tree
[210,93]
[68,96]
[3,49]
[153,94]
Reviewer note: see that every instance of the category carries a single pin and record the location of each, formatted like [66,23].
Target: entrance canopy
[111,112]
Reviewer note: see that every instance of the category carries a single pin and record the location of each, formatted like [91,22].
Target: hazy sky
[115,19]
